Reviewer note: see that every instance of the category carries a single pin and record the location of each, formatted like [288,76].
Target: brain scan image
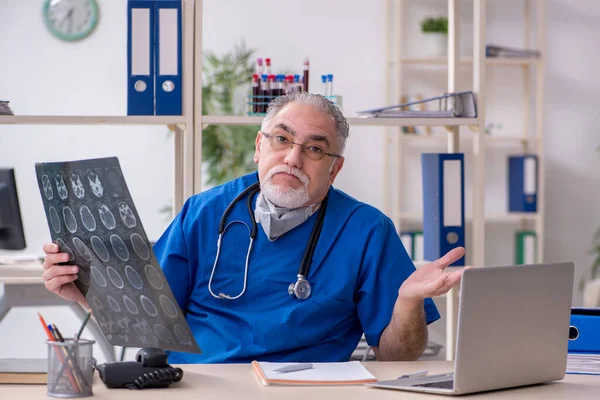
[70,221]
[139,246]
[61,187]
[54,219]
[119,247]
[82,249]
[47,187]
[153,277]
[65,249]
[89,222]
[106,216]
[168,307]
[115,278]
[163,333]
[182,335]
[148,306]
[133,277]
[83,277]
[114,179]
[95,184]
[130,305]
[97,303]
[99,248]
[127,215]
[98,277]
[77,186]
[113,304]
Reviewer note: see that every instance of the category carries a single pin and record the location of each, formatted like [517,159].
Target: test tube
[268,63]
[330,85]
[305,75]
[255,92]
[264,93]
[324,85]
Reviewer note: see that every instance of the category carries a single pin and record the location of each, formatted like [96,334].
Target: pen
[414,374]
[293,368]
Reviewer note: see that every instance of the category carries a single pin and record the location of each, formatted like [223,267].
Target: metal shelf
[443,61]
[253,120]
[91,120]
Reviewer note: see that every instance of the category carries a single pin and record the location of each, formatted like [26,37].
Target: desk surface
[21,274]
[238,382]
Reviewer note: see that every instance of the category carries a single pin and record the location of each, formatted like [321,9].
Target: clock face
[70,19]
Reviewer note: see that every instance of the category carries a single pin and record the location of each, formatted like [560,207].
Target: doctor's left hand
[432,279]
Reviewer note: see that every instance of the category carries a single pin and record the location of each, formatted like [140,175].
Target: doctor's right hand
[60,279]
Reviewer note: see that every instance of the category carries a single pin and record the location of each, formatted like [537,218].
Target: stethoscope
[301,288]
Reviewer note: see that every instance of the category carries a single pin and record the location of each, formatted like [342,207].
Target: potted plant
[435,36]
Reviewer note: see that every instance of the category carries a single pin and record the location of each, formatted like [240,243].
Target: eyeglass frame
[302,146]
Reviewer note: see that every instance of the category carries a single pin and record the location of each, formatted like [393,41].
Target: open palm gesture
[432,279]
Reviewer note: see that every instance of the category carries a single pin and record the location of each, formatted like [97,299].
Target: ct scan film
[92,217]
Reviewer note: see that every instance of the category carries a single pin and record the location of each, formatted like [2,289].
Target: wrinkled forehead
[304,121]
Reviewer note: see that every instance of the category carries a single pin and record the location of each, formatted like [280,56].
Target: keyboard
[438,385]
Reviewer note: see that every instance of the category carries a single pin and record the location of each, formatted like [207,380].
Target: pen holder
[71,368]
[257,105]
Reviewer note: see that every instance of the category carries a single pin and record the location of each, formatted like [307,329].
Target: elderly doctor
[301,269]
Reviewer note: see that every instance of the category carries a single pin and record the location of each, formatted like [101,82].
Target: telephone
[149,370]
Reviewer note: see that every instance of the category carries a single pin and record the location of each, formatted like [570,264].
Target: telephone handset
[149,370]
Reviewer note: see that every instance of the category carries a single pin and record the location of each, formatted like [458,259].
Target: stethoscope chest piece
[300,289]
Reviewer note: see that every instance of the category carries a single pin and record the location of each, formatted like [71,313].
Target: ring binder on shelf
[443,204]
[168,57]
[140,57]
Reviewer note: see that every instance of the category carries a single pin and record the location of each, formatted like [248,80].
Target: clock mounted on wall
[70,20]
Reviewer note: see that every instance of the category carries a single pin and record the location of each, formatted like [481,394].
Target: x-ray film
[91,216]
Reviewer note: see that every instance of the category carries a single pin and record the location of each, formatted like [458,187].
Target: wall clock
[70,20]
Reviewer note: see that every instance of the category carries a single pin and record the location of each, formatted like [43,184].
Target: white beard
[285,196]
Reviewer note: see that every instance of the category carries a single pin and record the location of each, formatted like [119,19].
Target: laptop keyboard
[438,385]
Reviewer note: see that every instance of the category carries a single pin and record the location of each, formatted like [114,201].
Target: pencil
[85,321]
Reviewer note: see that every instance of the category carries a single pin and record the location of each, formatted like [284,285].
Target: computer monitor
[12,236]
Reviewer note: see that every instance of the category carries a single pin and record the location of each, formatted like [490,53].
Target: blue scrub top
[358,266]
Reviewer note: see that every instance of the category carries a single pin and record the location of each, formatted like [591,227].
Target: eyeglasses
[312,150]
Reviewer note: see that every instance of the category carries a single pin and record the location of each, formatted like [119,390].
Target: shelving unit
[478,143]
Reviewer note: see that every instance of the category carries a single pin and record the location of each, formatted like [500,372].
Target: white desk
[24,287]
[237,382]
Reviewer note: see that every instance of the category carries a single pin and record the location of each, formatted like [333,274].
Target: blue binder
[140,57]
[584,331]
[443,204]
[168,38]
[522,183]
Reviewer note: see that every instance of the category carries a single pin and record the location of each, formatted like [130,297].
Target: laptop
[513,330]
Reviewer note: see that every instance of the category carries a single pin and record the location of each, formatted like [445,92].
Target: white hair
[320,103]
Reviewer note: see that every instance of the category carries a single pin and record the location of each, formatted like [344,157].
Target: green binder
[525,247]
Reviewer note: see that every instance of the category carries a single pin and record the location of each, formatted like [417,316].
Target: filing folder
[407,241]
[522,183]
[525,247]
[140,57]
[168,49]
[584,330]
[443,204]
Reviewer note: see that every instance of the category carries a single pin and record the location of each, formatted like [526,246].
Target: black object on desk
[150,370]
